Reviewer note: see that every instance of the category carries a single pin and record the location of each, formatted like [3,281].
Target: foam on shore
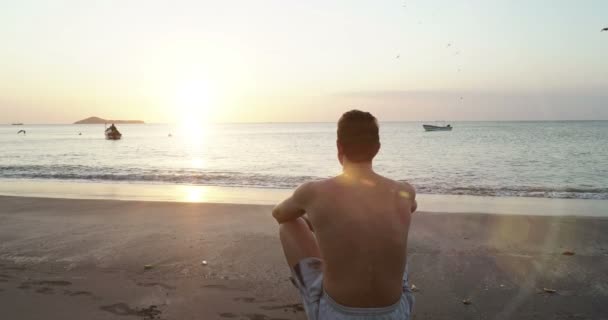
[266,196]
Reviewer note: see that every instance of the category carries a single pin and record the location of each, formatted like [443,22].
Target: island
[98,120]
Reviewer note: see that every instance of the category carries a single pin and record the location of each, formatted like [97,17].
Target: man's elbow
[276,214]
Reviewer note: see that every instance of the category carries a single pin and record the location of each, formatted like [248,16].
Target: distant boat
[113,134]
[428,127]
[17,124]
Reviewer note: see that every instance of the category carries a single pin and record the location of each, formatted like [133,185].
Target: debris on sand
[551,291]
[568,253]
[467,301]
[204,262]
[414,288]
[148,267]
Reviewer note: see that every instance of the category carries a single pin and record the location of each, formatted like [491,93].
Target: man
[354,264]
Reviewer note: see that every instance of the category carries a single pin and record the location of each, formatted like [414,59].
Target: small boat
[17,124]
[428,127]
[113,134]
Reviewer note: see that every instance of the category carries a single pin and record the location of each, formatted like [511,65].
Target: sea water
[567,159]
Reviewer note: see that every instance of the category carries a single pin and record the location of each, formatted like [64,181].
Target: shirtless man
[353,265]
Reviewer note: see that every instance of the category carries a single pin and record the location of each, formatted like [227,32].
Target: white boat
[428,127]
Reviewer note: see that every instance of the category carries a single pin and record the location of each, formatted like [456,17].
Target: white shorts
[308,278]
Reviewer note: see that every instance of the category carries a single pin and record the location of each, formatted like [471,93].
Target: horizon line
[302,122]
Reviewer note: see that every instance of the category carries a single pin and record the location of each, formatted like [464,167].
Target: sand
[85,259]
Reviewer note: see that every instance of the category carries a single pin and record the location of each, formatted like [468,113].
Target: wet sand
[85,259]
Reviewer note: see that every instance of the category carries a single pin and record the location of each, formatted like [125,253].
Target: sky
[292,61]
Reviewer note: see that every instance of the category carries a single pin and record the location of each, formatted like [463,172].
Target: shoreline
[86,259]
[56,189]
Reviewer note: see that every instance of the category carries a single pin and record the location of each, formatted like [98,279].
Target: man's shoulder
[306,191]
[401,186]
[311,187]
[406,186]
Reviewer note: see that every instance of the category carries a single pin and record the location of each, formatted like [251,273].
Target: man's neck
[357,169]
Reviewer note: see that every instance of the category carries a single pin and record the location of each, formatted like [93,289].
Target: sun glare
[193,103]
[193,193]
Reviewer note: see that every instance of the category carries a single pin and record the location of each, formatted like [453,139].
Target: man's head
[358,138]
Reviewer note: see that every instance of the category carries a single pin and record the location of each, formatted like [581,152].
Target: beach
[150,147]
[111,259]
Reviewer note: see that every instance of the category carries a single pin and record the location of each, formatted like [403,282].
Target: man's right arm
[409,193]
[295,206]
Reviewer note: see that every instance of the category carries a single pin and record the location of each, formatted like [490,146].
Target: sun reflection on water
[197,163]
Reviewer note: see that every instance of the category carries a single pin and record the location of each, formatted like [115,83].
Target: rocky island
[98,120]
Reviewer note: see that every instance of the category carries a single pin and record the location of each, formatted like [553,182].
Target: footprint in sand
[29,284]
[60,283]
[122,309]
[296,307]
[45,290]
[244,299]
[252,300]
[76,293]
[153,284]
[119,309]
[14,268]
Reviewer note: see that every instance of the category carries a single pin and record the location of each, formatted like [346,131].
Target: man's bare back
[361,223]
[354,264]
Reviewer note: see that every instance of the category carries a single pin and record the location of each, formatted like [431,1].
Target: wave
[240,179]
[520,191]
[214,178]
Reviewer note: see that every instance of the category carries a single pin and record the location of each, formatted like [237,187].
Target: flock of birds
[458,52]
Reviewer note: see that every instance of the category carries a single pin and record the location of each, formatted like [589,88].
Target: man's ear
[340,154]
[377,149]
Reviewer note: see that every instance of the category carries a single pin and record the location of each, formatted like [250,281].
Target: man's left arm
[295,206]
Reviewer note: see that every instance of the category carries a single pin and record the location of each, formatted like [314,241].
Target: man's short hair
[358,135]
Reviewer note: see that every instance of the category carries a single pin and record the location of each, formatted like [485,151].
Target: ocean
[565,159]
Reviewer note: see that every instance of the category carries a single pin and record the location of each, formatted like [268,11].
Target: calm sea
[531,159]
